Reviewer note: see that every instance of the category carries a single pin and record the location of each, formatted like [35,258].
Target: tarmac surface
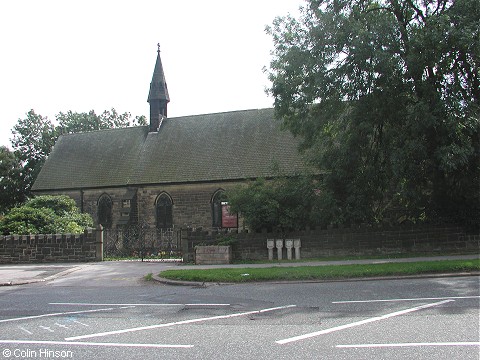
[21,274]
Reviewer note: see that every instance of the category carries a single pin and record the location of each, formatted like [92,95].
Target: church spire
[158,96]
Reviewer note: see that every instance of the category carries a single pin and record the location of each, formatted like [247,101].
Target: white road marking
[93,304]
[395,300]
[32,342]
[191,321]
[56,314]
[46,328]
[357,323]
[62,326]
[28,332]
[78,322]
[410,345]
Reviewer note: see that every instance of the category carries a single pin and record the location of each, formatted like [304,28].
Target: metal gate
[138,242]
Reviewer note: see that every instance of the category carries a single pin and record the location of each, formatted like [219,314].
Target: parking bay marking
[358,323]
[93,304]
[472,343]
[183,322]
[59,314]
[27,331]
[68,343]
[395,300]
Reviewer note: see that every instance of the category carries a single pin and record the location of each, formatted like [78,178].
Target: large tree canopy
[385,95]
[10,180]
[33,139]
[72,122]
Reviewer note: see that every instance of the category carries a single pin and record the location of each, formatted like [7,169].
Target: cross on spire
[158,45]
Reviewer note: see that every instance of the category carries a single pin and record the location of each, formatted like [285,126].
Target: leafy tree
[385,95]
[71,122]
[45,215]
[33,139]
[284,203]
[10,175]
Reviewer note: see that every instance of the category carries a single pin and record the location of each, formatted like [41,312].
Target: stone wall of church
[117,196]
[87,201]
[191,203]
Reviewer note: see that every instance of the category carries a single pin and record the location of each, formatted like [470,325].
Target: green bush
[60,204]
[284,203]
[45,215]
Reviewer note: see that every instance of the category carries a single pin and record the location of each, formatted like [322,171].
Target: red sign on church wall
[228,220]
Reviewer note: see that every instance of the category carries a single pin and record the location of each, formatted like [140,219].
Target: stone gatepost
[289,246]
[279,244]
[297,244]
[99,243]
[270,246]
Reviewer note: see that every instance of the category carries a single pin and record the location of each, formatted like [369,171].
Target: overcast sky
[79,55]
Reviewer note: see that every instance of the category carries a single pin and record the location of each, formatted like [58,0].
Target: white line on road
[62,325]
[27,331]
[78,322]
[410,345]
[33,342]
[56,314]
[191,321]
[93,304]
[395,300]
[46,328]
[357,323]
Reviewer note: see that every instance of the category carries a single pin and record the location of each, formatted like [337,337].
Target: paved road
[100,312]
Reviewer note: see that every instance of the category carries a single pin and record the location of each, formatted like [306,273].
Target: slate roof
[212,147]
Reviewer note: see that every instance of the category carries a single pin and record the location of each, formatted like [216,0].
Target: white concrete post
[99,243]
[289,246]
[297,244]
[270,246]
[279,243]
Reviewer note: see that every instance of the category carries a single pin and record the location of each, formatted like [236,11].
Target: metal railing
[143,243]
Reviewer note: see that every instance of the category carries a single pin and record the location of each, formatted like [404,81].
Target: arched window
[104,211]
[164,211]
[217,199]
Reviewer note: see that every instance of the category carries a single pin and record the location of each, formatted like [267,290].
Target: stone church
[172,173]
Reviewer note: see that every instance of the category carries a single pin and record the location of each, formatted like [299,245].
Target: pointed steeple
[158,95]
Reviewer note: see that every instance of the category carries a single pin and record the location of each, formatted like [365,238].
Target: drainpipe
[81,201]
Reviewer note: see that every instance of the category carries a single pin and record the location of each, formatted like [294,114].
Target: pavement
[21,274]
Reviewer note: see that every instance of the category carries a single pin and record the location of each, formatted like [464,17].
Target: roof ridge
[104,130]
[220,112]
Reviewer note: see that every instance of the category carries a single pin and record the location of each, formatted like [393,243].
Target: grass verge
[357,257]
[328,272]
[148,277]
